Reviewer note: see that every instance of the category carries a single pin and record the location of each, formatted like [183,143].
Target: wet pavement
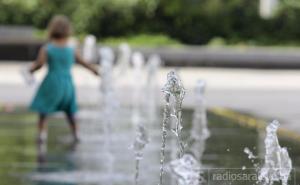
[270,94]
[59,162]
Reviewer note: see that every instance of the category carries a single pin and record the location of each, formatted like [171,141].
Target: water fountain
[89,49]
[109,103]
[141,140]
[153,64]
[122,69]
[277,164]
[199,132]
[176,94]
[107,79]
[138,62]
[142,137]
[173,95]
[186,170]
[123,61]
[89,55]
[183,163]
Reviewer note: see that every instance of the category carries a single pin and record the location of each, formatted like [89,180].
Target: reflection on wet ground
[60,162]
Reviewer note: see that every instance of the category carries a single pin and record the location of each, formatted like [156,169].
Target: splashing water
[176,93]
[89,54]
[141,139]
[123,62]
[172,89]
[199,132]
[140,142]
[138,62]
[152,67]
[122,70]
[107,89]
[175,88]
[277,165]
[109,103]
[166,119]
[253,159]
[249,153]
[186,170]
[89,48]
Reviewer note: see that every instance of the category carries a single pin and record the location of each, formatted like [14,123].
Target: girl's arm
[40,61]
[80,61]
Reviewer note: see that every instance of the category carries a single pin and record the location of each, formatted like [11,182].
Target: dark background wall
[21,51]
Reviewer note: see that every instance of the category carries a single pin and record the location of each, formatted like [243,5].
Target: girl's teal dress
[57,92]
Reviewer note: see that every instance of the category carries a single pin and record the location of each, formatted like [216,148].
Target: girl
[57,92]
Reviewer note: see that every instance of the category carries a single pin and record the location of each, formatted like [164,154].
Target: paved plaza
[269,94]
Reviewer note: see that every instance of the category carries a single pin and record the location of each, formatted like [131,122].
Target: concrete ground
[270,94]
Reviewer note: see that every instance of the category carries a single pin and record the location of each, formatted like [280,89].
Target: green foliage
[16,12]
[217,41]
[189,21]
[142,40]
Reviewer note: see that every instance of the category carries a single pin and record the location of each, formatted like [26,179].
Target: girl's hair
[59,27]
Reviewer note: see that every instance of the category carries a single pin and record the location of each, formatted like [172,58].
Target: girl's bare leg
[42,128]
[73,126]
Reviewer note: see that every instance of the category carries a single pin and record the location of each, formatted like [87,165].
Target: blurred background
[246,51]
[237,24]
[162,22]
[171,22]
[237,46]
